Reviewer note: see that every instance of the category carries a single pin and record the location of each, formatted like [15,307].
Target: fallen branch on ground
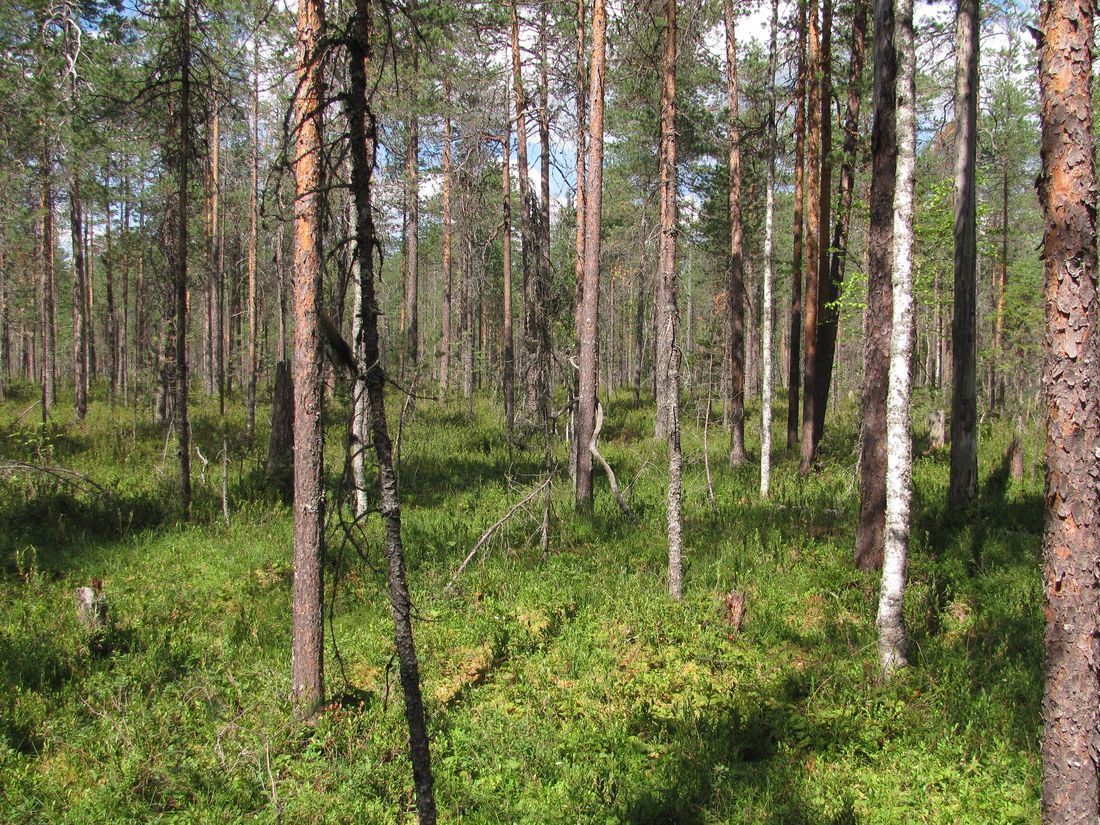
[603,462]
[488,534]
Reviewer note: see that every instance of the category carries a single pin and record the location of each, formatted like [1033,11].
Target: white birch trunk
[766,321]
[899,446]
[360,416]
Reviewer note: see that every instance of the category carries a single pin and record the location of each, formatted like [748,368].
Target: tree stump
[735,610]
[91,607]
[937,430]
[280,452]
[1016,459]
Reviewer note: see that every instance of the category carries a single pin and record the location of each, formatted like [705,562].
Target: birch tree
[769,220]
[666,274]
[899,445]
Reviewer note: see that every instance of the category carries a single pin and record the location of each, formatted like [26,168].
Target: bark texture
[183,424]
[536,374]
[307,653]
[877,317]
[509,353]
[1071,379]
[833,264]
[794,365]
[445,323]
[963,486]
[588,379]
[810,301]
[253,238]
[666,274]
[369,367]
[735,274]
[769,211]
[899,444]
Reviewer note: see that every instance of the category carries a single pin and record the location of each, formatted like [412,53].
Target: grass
[564,690]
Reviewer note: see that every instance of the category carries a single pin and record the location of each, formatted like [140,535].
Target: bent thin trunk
[369,367]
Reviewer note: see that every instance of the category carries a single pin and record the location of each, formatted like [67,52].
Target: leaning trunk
[369,367]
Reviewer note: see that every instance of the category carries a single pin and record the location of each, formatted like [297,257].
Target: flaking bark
[1071,378]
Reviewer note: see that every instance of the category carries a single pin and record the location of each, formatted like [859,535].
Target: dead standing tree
[369,369]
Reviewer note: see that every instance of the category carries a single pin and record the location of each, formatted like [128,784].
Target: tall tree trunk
[639,306]
[445,324]
[369,368]
[112,317]
[544,161]
[411,331]
[665,287]
[825,199]
[123,338]
[899,443]
[528,232]
[1071,374]
[735,278]
[810,299]
[794,363]
[878,316]
[766,320]
[666,275]
[963,486]
[580,77]
[1000,281]
[91,368]
[506,275]
[47,285]
[218,273]
[183,425]
[307,652]
[80,332]
[468,297]
[832,264]
[5,328]
[253,236]
[588,378]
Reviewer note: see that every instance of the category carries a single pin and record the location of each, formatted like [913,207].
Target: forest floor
[568,689]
